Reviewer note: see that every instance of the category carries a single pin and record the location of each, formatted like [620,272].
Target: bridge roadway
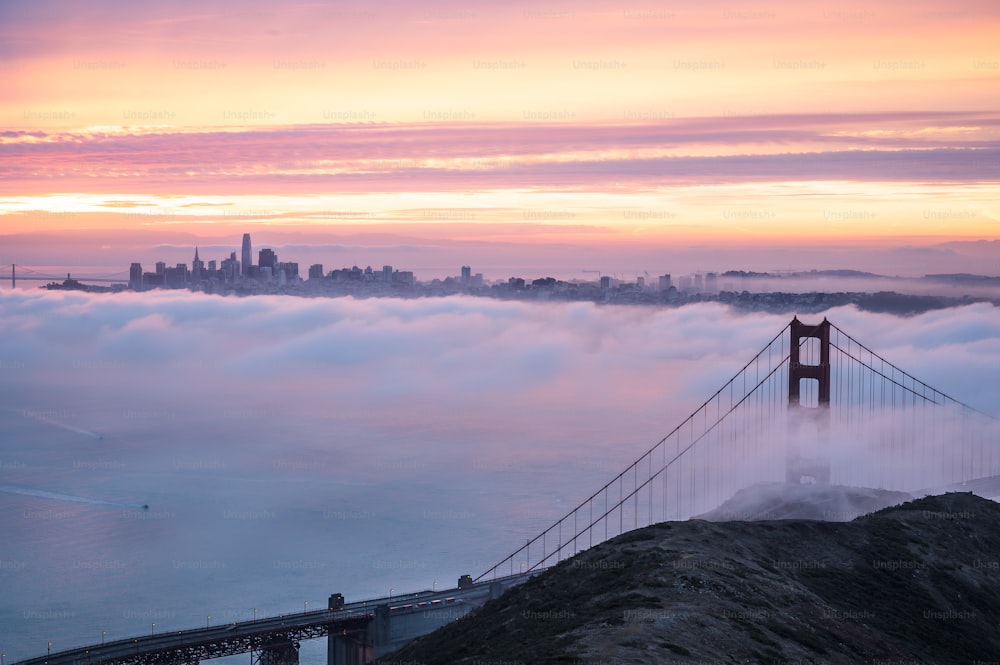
[194,645]
[44,278]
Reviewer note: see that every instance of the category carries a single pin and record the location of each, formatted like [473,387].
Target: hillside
[918,582]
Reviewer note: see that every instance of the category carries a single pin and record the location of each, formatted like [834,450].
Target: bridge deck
[197,644]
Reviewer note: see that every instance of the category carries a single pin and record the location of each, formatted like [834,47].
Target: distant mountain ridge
[844,273]
[963,277]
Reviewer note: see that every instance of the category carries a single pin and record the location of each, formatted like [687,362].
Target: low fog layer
[427,356]
[494,385]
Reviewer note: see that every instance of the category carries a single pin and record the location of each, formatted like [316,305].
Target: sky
[642,136]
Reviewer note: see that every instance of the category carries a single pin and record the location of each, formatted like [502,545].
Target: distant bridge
[814,406]
[25,273]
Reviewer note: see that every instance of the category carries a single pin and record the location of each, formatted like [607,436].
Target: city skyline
[739,287]
[811,291]
[230,269]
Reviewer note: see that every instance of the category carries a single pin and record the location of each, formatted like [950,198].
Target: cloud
[451,381]
[444,358]
[458,157]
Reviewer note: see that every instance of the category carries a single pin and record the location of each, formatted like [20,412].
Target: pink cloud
[456,157]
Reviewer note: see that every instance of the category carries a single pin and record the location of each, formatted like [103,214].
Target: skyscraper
[466,275]
[247,256]
[712,283]
[197,266]
[266,258]
[135,277]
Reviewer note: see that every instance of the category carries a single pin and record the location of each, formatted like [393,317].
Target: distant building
[466,275]
[353,274]
[290,270]
[606,282]
[266,258]
[176,278]
[230,268]
[212,266]
[665,282]
[387,274]
[699,283]
[161,267]
[135,277]
[197,267]
[247,256]
[640,282]
[712,283]
[316,271]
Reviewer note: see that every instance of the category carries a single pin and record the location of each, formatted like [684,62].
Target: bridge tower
[808,466]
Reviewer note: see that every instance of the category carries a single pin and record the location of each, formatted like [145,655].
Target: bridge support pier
[806,467]
[349,648]
[280,652]
[361,646]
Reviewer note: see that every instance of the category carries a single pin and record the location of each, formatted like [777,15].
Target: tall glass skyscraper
[247,256]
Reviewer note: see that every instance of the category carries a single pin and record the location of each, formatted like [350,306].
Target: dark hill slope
[917,582]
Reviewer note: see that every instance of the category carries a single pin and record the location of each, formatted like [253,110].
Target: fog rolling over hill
[785,501]
[919,582]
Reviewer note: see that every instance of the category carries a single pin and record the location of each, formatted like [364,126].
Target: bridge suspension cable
[905,434]
[607,513]
[882,428]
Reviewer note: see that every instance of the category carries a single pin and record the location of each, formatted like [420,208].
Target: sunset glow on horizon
[583,126]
